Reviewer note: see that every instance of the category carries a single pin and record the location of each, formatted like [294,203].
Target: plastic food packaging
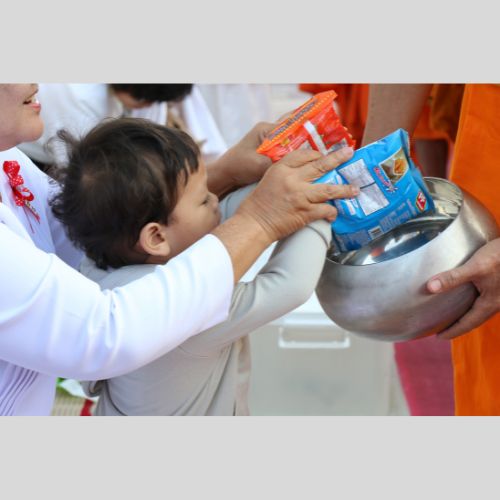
[314,125]
[392,192]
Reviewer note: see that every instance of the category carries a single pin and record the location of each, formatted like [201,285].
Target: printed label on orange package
[314,125]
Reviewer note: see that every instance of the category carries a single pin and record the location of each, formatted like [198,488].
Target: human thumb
[448,280]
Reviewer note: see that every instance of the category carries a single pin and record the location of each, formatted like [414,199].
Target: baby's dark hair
[155,92]
[124,173]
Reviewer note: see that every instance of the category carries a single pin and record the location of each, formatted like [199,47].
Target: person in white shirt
[135,195]
[236,107]
[77,107]
[55,322]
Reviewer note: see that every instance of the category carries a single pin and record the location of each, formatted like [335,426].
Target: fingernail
[346,152]
[355,190]
[435,286]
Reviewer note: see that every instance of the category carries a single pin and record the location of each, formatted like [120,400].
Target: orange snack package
[314,125]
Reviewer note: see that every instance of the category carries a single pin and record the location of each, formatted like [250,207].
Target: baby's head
[135,192]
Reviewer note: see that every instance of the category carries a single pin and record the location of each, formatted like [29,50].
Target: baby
[135,195]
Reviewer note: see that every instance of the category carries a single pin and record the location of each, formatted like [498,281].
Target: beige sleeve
[284,283]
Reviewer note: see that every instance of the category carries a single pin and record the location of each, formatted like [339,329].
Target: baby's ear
[153,240]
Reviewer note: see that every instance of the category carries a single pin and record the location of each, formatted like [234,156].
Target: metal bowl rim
[440,236]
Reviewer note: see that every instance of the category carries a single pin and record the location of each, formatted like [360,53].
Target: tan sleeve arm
[393,106]
[244,240]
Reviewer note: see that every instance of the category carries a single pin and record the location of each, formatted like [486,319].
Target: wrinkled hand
[241,165]
[483,271]
[285,200]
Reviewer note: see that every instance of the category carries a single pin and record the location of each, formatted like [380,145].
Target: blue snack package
[392,192]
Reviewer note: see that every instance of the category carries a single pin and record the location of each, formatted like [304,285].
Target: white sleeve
[55,321]
[201,124]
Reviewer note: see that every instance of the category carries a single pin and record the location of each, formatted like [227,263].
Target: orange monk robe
[424,129]
[445,104]
[476,168]
[352,100]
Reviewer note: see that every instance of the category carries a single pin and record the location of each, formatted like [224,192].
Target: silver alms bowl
[379,291]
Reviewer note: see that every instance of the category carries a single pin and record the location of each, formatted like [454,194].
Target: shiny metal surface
[379,291]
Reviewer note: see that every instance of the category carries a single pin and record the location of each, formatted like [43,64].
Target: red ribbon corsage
[22,195]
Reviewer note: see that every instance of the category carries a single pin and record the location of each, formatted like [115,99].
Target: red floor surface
[426,374]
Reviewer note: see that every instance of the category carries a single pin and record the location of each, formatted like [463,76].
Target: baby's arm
[285,282]
[232,201]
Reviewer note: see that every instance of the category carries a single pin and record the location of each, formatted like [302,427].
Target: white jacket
[55,322]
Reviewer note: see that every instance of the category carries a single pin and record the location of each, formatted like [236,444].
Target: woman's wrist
[219,178]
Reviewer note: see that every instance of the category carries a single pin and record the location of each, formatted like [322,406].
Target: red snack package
[314,125]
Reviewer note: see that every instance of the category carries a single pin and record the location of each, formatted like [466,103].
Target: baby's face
[195,215]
